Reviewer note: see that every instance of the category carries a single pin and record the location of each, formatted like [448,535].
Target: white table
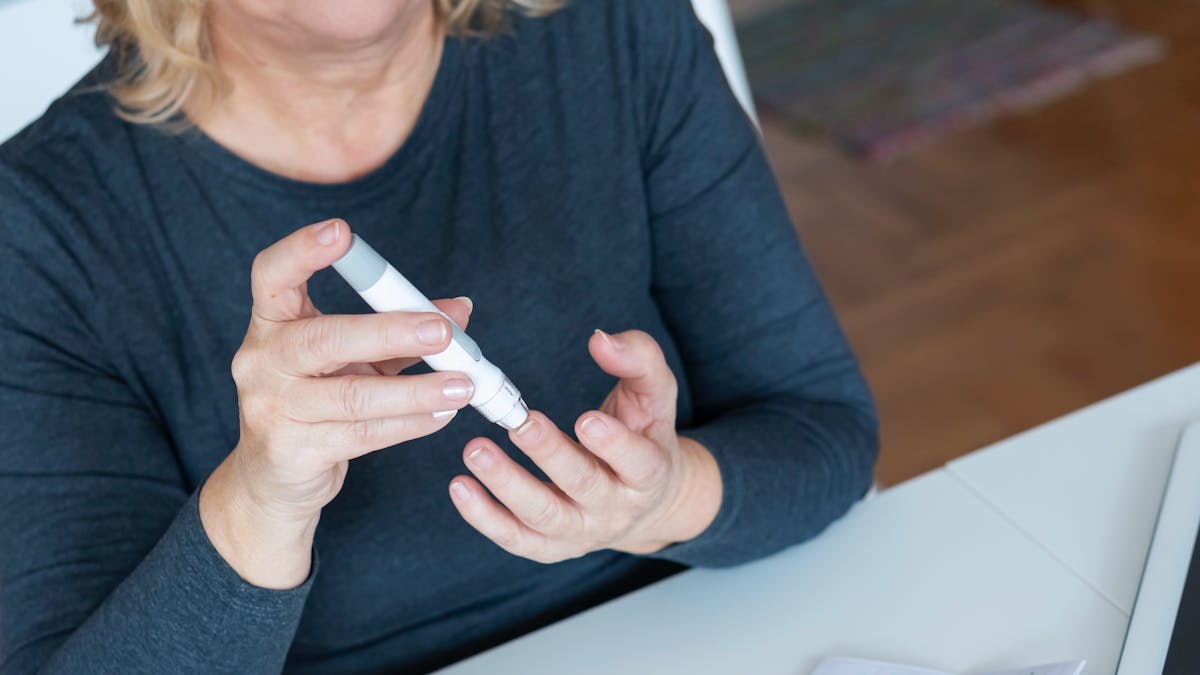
[1087,487]
[1028,551]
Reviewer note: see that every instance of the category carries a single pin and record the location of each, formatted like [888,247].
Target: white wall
[42,53]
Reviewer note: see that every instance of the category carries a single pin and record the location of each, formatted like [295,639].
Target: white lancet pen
[386,290]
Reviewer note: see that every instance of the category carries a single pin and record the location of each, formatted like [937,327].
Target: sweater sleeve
[778,397]
[104,564]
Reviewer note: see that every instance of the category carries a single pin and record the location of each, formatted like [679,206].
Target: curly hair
[164,52]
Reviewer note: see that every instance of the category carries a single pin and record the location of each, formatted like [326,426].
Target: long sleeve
[777,393]
[104,564]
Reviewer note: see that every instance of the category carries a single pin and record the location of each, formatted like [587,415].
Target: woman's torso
[520,187]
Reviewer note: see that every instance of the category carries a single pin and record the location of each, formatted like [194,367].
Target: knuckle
[547,515]
[320,339]
[606,532]
[365,432]
[411,391]
[242,365]
[586,482]
[611,533]
[353,398]
[651,473]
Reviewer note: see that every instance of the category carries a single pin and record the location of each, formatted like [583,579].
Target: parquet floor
[1007,275]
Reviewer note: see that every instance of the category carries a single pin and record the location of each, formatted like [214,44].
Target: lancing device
[386,290]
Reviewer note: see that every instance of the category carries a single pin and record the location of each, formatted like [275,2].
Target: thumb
[635,358]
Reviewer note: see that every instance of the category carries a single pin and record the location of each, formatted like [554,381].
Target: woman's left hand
[632,484]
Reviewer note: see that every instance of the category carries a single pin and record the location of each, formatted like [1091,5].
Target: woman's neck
[320,108]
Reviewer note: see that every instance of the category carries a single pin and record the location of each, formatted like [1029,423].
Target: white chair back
[714,14]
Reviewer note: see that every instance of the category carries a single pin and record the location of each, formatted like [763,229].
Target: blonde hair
[164,53]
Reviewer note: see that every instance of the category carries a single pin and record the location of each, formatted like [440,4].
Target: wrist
[264,550]
[698,498]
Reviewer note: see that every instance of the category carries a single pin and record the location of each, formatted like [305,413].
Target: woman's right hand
[314,392]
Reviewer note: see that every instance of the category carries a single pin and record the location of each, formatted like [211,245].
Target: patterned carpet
[882,76]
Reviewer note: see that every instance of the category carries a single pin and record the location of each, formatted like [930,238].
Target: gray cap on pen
[361,266]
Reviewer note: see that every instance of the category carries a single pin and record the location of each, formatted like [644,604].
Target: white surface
[1028,551]
[1088,486]
[1162,584]
[1064,668]
[714,14]
[42,53]
[924,573]
[839,665]
[846,666]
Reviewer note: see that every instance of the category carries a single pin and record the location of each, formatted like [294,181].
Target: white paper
[840,665]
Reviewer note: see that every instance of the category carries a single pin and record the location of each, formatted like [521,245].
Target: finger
[497,523]
[351,398]
[532,501]
[324,344]
[350,440]
[573,469]
[637,461]
[459,311]
[281,271]
[636,358]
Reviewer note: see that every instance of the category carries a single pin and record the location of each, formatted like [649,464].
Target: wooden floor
[1008,275]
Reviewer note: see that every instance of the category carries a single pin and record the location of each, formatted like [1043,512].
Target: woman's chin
[354,21]
[334,23]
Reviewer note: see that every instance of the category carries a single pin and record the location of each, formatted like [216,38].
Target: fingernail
[594,427]
[432,332]
[612,340]
[457,389]
[482,458]
[327,232]
[467,301]
[460,491]
[443,414]
[530,431]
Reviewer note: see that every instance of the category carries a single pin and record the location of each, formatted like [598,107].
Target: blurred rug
[882,76]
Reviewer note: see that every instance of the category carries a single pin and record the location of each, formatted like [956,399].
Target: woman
[567,168]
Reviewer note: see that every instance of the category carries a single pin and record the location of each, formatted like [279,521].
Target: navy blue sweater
[586,170]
